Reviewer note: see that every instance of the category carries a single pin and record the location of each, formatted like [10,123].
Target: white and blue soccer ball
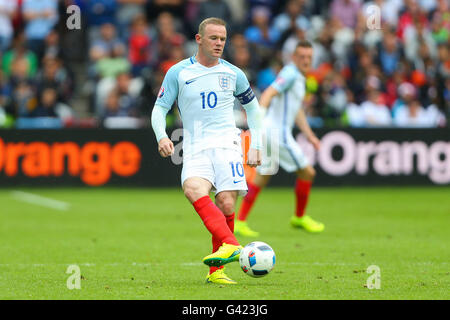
[257,259]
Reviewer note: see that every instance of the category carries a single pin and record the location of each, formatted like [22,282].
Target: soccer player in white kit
[283,100]
[205,88]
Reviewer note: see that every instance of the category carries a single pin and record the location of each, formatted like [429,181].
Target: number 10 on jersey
[210,99]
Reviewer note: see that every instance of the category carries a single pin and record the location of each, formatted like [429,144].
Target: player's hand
[315,142]
[254,158]
[165,147]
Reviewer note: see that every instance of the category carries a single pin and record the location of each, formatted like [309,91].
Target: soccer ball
[257,259]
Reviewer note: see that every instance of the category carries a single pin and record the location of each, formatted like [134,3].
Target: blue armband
[246,96]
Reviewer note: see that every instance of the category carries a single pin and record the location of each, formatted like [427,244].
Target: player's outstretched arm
[165,145]
[303,125]
[254,121]
[266,98]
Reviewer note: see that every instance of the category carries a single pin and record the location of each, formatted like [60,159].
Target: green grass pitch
[148,244]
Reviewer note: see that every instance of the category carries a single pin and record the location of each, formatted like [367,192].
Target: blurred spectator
[128,97]
[343,38]
[19,52]
[176,8]
[100,12]
[106,44]
[52,46]
[214,8]
[268,75]
[176,55]
[17,18]
[5,98]
[376,114]
[440,19]
[40,17]
[139,46]
[271,5]
[50,106]
[291,17]
[23,99]
[128,88]
[55,74]
[260,32]
[3,117]
[389,53]
[238,9]
[112,105]
[127,12]
[168,37]
[354,114]
[107,54]
[413,115]
[150,90]
[240,53]
[117,111]
[113,65]
[443,65]
[411,15]
[7,10]
[406,93]
[337,94]
[419,44]
[345,11]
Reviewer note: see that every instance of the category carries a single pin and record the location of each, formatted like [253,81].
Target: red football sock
[302,188]
[216,243]
[247,202]
[214,220]
[230,221]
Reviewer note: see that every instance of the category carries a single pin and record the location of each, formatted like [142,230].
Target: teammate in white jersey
[205,88]
[283,98]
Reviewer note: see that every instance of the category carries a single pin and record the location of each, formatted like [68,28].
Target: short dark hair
[303,44]
[212,20]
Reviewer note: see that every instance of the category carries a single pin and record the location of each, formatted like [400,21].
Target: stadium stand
[368,72]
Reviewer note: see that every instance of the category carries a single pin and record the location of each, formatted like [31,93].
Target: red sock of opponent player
[214,220]
[247,202]
[216,243]
[302,188]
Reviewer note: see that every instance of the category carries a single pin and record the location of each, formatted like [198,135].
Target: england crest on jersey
[224,82]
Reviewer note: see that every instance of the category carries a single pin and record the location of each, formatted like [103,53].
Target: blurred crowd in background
[367,72]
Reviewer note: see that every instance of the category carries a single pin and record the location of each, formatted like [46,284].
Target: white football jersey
[283,109]
[205,98]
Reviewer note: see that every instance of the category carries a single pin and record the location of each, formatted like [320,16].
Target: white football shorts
[220,166]
[281,149]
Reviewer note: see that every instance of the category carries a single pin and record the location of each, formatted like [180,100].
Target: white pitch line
[40,201]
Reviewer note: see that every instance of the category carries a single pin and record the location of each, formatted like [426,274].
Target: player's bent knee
[226,204]
[227,207]
[193,193]
[308,173]
[311,173]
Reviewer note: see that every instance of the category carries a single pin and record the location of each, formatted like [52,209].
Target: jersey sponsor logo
[224,82]
[237,181]
[190,81]
[161,92]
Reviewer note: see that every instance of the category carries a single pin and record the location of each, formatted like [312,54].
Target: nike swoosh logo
[190,81]
[237,181]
